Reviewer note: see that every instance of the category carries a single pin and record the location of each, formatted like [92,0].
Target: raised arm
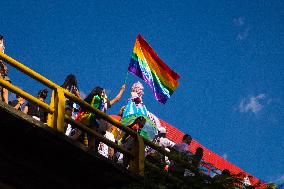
[118,96]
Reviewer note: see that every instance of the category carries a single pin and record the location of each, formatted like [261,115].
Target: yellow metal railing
[57,117]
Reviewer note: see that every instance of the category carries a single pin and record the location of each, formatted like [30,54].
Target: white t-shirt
[164,142]
[103,148]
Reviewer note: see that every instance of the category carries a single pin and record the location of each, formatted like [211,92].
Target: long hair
[42,93]
[70,81]
[96,91]
[198,155]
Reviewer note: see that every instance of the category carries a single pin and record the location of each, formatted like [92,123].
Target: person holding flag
[163,81]
[135,108]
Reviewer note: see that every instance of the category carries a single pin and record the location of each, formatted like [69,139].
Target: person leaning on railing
[71,85]
[4,94]
[98,99]
[155,157]
[104,149]
[34,110]
[176,168]
[190,176]
[108,104]
[18,102]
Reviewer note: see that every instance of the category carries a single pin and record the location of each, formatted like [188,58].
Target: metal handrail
[57,116]
[26,95]
[21,67]
[56,111]
[98,135]
[100,114]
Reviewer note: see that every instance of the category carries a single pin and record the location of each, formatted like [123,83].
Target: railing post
[50,116]
[136,164]
[59,110]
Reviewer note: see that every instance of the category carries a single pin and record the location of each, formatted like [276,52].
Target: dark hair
[162,135]
[186,136]
[70,81]
[226,172]
[198,154]
[42,93]
[1,37]
[3,66]
[94,92]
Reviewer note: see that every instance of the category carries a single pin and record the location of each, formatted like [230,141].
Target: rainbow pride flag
[146,64]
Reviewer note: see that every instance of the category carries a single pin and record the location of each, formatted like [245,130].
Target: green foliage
[157,178]
[270,186]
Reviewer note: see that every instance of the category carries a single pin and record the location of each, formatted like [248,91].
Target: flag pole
[126,77]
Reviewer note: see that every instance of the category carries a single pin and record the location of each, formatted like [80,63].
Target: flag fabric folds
[146,64]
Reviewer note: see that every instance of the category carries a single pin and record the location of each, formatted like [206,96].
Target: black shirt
[34,110]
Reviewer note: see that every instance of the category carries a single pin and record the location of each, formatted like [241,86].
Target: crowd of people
[134,115]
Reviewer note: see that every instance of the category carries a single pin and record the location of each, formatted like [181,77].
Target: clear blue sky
[229,56]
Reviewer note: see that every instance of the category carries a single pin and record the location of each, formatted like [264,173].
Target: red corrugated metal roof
[208,156]
[217,161]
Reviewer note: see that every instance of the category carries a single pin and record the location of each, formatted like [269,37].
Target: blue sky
[229,56]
